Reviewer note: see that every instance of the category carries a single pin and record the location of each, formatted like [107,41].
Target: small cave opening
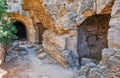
[21,30]
[92,37]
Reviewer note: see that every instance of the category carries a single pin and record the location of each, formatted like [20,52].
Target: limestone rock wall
[63,15]
[60,48]
[62,18]
[15,6]
[36,8]
[113,36]
[109,67]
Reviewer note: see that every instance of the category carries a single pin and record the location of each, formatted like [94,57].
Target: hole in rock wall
[21,30]
[92,37]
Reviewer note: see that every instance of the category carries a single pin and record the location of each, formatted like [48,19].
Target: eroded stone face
[53,44]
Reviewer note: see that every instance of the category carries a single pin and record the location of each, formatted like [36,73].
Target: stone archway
[30,29]
[92,36]
[21,30]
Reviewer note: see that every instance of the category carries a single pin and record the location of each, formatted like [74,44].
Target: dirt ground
[30,66]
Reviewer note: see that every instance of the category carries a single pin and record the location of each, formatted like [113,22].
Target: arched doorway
[92,36]
[39,33]
[21,30]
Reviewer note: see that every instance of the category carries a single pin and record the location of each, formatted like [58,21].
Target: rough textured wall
[114,33]
[61,18]
[59,47]
[36,8]
[109,67]
[62,15]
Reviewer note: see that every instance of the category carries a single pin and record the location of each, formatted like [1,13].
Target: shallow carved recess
[39,28]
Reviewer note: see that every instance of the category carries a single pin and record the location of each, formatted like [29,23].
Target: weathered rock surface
[113,34]
[62,18]
[107,68]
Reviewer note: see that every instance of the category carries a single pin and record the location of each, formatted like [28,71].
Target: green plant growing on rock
[7,30]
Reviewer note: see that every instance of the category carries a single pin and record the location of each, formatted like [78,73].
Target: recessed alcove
[92,36]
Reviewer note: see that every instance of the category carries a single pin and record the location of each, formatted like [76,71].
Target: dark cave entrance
[92,37]
[21,30]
